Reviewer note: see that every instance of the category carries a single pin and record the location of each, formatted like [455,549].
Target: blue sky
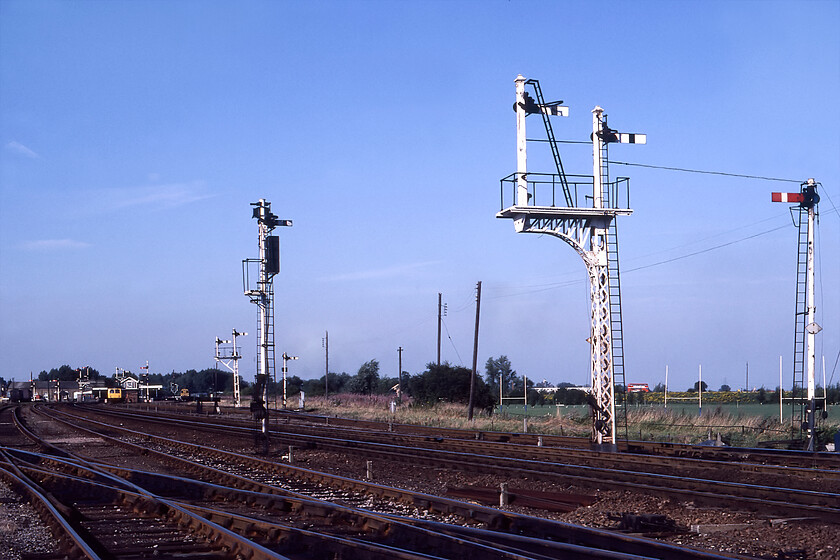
[134,135]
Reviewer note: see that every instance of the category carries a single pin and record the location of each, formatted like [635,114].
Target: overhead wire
[466,304]
[834,209]
[556,285]
[834,369]
[708,237]
[705,250]
[535,290]
[685,170]
[460,361]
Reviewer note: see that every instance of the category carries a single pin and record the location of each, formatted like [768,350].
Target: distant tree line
[66,373]
[437,383]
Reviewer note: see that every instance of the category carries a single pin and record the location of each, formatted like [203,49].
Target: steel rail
[84,472]
[781,457]
[757,497]
[668,464]
[70,541]
[481,548]
[392,528]
[145,504]
[536,549]
[497,520]
[78,469]
[311,542]
[545,452]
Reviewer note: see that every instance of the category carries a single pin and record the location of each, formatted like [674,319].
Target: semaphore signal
[787,197]
[806,327]
[536,206]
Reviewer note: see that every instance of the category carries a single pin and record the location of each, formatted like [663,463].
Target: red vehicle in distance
[638,388]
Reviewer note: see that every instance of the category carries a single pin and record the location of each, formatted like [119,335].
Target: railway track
[781,457]
[542,448]
[755,456]
[289,523]
[778,499]
[819,468]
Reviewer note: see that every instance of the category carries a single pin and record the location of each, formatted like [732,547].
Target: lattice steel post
[811,327]
[603,422]
[231,362]
[808,198]
[262,296]
[586,230]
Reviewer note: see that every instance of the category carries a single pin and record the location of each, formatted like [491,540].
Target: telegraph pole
[475,349]
[440,298]
[399,375]
[326,364]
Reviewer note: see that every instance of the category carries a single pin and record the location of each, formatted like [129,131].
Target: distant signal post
[262,294]
[804,347]
[229,357]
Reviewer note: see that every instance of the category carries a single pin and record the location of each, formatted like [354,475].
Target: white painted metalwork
[601,367]
[521,145]
[808,200]
[585,230]
[625,138]
[555,110]
[263,296]
[812,328]
[286,359]
[229,357]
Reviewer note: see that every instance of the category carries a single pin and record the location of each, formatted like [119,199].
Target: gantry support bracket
[586,230]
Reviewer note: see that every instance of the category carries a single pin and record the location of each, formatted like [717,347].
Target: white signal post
[230,359]
[521,145]
[700,389]
[603,383]
[781,394]
[263,296]
[286,358]
[586,231]
[812,328]
[808,199]
[143,389]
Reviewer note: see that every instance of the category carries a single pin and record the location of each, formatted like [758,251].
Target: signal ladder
[555,151]
[268,367]
[616,331]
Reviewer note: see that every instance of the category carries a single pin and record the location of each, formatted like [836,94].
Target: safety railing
[546,190]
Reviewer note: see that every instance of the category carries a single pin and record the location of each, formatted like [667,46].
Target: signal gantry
[538,207]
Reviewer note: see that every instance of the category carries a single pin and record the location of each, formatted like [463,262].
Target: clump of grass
[445,415]
[657,423]
[734,426]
